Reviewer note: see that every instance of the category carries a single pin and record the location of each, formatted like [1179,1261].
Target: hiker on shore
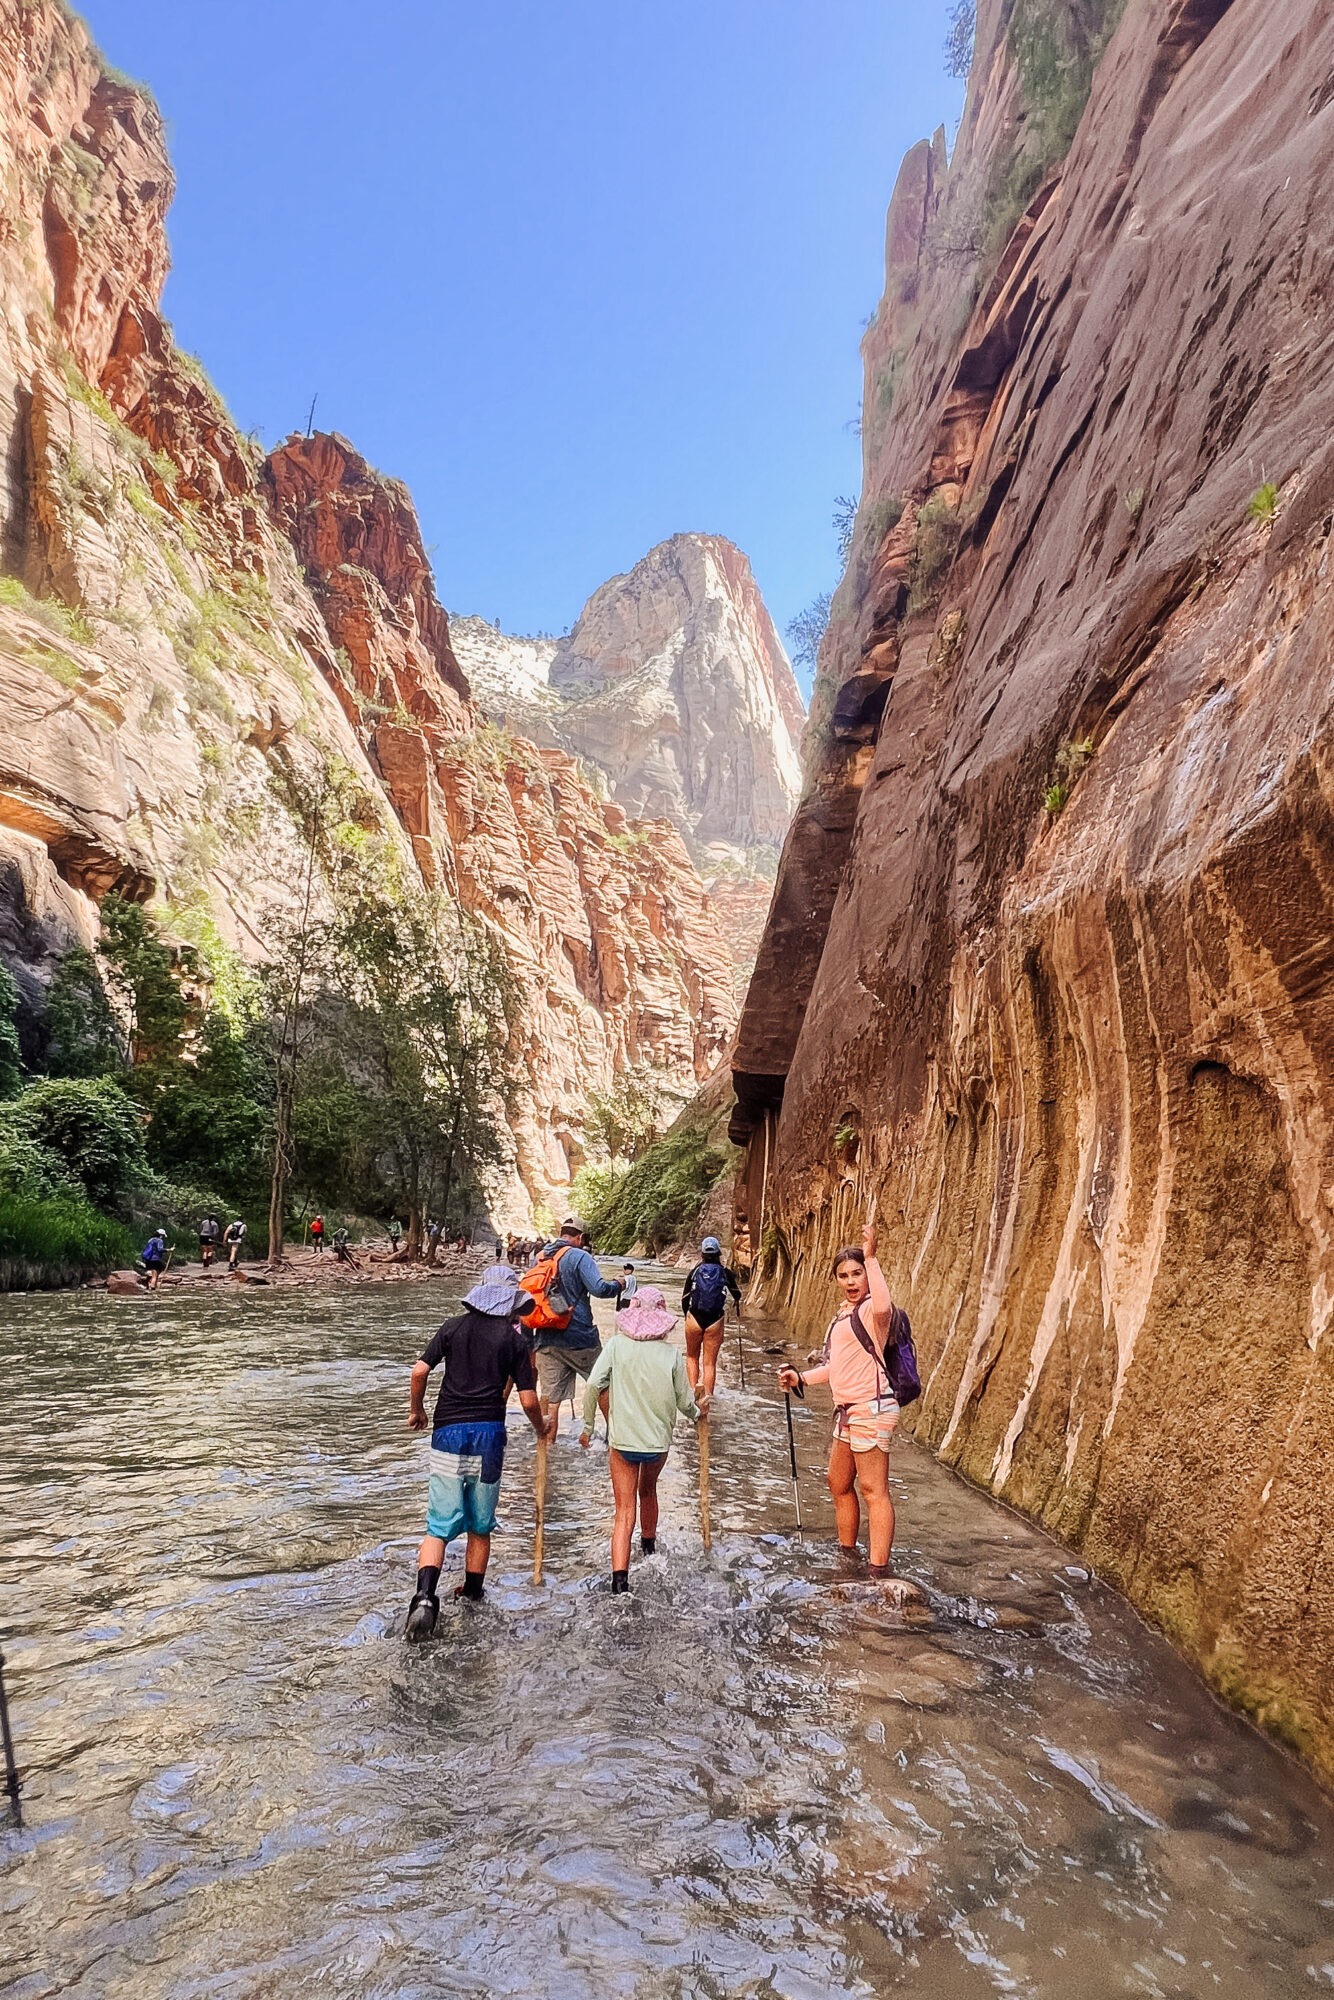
[629,1286]
[561,1283]
[644,1378]
[395,1234]
[317,1233]
[209,1231]
[485,1352]
[154,1258]
[342,1249]
[233,1236]
[704,1303]
[866,1408]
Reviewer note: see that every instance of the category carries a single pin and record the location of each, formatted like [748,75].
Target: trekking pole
[704,1482]
[792,1455]
[11,1767]
[540,1510]
[740,1350]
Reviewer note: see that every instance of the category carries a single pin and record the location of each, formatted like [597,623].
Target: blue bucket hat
[496,1292]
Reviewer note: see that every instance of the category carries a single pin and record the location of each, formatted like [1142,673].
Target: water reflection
[750,1777]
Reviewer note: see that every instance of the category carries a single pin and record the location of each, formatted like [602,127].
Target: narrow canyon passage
[746,1778]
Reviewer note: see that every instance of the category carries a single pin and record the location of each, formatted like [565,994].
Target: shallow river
[746,1778]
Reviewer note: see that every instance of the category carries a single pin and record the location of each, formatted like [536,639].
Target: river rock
[126,1282]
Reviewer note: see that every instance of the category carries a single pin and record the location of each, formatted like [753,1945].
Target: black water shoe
[422,1614]
[648,1545]
[471,1587]
[620,1580]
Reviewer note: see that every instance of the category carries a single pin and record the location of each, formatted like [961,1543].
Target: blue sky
[583,274]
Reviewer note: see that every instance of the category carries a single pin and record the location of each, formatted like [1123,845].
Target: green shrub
[1263,503]
[939,527]
[91,1126]
[1055,798]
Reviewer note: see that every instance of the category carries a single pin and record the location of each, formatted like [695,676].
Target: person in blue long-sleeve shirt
[565,1355]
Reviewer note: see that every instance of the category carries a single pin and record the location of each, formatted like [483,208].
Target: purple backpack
[899,1359]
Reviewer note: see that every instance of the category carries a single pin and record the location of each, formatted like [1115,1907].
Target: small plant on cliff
[806,631]
[939,527]
[1072,757]
[1133,501]
[1263,503]
[1055,798]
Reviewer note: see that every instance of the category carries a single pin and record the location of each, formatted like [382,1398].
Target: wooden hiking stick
[540,1508]
[740,1350]
[704,1482]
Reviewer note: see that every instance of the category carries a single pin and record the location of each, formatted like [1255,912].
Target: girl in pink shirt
[866,1411]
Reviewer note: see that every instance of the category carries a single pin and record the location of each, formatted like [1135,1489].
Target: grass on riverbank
[47,1244]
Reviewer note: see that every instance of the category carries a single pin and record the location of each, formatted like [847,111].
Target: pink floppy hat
[646,1317]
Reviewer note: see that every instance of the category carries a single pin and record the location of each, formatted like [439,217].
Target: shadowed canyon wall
[183,625]
[1047,981]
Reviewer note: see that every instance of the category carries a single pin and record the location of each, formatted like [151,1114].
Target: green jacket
[648,1386]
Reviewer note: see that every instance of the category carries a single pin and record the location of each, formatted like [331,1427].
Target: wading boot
[620,1580]
[422,1614]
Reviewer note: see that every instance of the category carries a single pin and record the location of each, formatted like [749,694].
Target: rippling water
[747,1778]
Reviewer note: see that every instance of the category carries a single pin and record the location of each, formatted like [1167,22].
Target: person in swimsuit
[646,1378]
[704,1303]
[866,1411]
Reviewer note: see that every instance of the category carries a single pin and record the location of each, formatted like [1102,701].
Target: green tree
[624,1120]
[143,974]
[11,1056]
[83,1038]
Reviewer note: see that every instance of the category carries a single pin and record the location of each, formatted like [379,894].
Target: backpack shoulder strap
[867,1341]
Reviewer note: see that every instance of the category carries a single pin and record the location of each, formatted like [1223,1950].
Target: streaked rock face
[1081,1060]
[199,624]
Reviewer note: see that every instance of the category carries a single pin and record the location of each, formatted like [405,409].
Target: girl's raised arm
[882,1305]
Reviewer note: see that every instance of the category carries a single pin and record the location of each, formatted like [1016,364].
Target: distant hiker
[342,1249]
[629,1286]
[499,1252]
[233,1236]
[395,1233]
[209,1231]
[645,1378]
[486,1353]
[317,1233]
[561,1283]
[154,1257]
[704,1303]
[866,1408]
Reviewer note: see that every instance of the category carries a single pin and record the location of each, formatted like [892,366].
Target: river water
[748,1777]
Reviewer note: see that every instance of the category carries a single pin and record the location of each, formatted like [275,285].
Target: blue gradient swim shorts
[466,1461]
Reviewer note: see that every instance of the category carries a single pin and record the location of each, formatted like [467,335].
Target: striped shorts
[466,1461]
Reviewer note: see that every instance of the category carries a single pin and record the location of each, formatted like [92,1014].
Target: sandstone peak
[674,683]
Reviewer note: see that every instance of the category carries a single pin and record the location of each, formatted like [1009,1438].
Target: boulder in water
[126,1282]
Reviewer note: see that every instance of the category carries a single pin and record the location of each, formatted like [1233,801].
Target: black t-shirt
[481,1353]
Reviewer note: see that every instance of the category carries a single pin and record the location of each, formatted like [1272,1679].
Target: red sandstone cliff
[1081,1057]
[193,620]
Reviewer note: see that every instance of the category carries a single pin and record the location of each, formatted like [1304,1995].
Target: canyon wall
[185,626]
[1047,981]
[674,684]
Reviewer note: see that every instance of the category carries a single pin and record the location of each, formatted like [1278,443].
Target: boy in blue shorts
[486,1353]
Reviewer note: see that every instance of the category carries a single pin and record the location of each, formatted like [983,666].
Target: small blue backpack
[708,1293]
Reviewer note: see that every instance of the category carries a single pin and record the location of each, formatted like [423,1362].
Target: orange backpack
[551,1311]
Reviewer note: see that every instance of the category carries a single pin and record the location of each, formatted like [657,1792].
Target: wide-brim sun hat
[647,1317]
[497,1291]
